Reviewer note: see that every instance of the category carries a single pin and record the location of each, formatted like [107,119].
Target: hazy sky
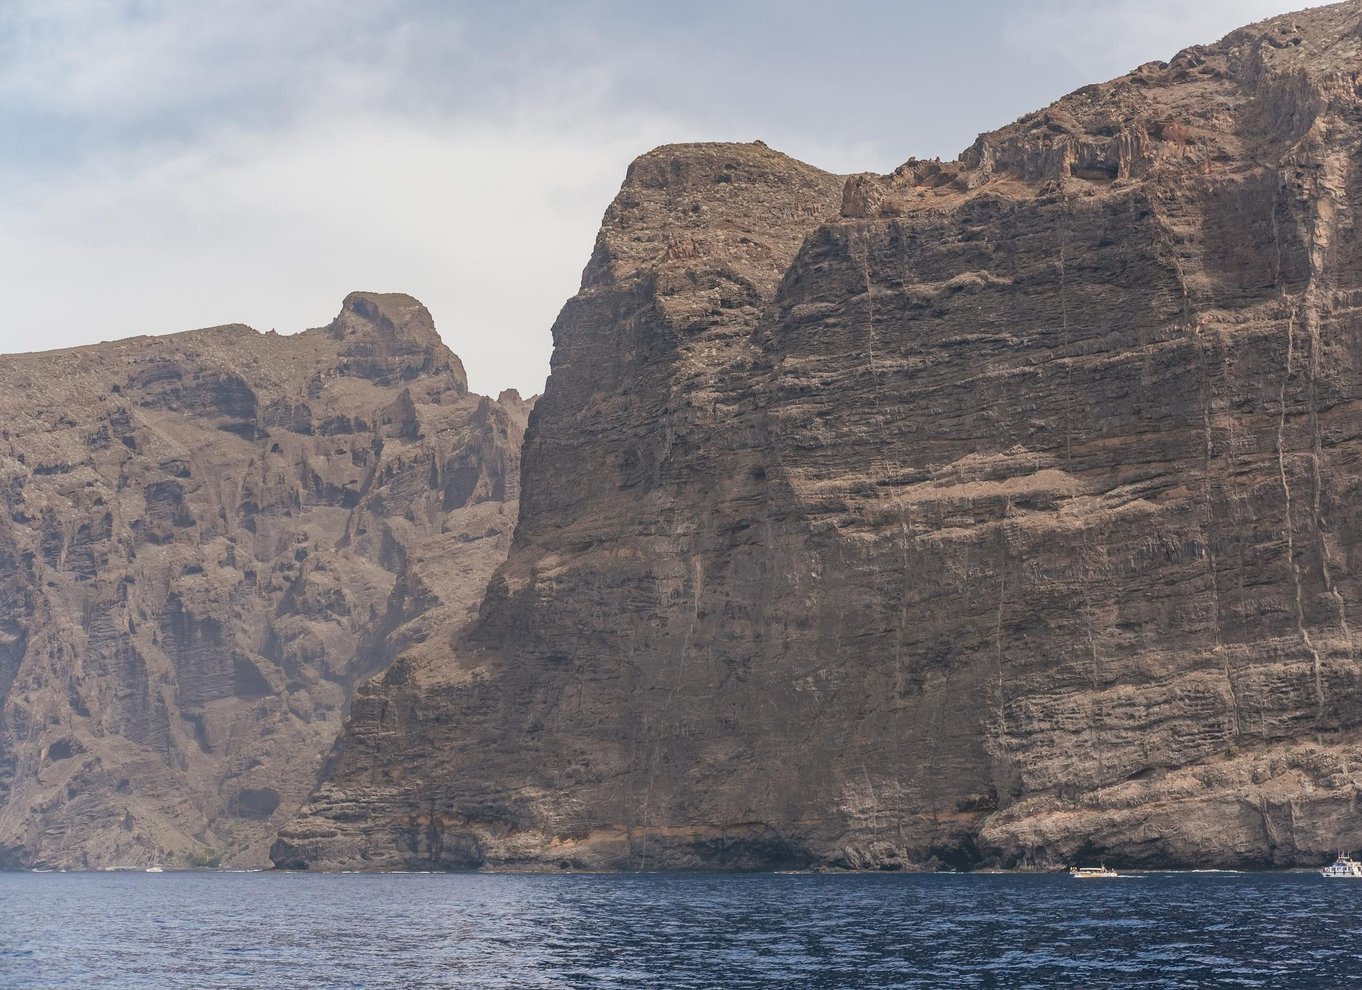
[171,165]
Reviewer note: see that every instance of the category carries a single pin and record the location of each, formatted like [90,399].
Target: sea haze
[678,931]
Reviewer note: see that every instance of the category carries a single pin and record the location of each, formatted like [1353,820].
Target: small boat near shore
[154,869]
[1092,872]
[1344,866]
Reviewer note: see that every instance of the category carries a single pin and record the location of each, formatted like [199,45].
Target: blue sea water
[265,930]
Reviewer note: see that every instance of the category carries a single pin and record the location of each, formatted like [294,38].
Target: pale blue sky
[170,165]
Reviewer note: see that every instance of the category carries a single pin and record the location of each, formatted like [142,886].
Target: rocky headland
[992,512]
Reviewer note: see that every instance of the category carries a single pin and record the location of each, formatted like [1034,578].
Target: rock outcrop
[1001,511]
[207,540]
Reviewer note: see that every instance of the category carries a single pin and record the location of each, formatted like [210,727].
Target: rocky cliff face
[207,540]
[995,511]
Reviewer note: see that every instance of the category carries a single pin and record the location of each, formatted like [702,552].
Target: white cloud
[124,60]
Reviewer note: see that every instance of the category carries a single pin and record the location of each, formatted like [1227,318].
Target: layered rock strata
[998,511]
[207,540]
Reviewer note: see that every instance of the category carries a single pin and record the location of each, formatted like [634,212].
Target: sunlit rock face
[207,540]
[997,511]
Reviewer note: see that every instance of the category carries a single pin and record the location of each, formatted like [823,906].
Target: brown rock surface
[207,540]
[1010,516]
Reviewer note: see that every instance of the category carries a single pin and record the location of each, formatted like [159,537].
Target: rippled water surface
[481,931]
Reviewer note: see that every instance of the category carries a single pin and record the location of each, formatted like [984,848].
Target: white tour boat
[1344,866]
[1092,872]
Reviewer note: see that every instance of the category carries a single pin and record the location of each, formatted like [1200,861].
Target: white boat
[1344,866]
[1092,872]
[155,869]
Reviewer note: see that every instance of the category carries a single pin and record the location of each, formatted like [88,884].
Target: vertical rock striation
[1001,510]
[207,540]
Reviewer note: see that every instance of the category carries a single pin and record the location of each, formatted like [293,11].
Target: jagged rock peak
[1319,40]
[701,164]
[390,336]
[385,338]
[715,204]
[1258,94]
[389,314]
